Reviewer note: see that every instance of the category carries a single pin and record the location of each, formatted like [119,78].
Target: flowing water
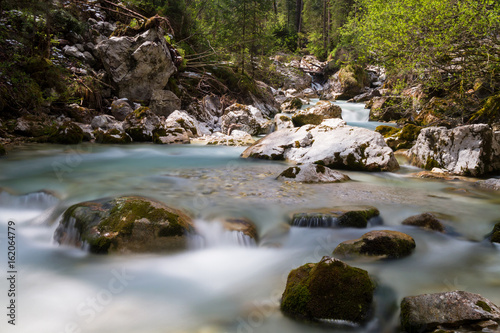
[224,282]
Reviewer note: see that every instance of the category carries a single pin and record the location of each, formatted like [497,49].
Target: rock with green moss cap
[183,120]
[426,221]
[377,244]
[121,108]
[2,150]
[328,290]
[337,217]
[316,114]
[68,133]
[312,173]
[123,225]
[282,121]
[449,310]
[140,124]
[352,79]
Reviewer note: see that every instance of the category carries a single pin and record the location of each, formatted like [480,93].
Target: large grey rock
[164,102]
[106,122]
[139,65]
[312,173]
[316,114]
[282,121]
[332,143]
[489,184]
[471,150]
[237,138]
[170,135]
[448,310]
[244,118]
[183,120]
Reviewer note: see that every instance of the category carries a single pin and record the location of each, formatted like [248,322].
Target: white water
[220,285]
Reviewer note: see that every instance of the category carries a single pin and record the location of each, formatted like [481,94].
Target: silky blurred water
[222,284]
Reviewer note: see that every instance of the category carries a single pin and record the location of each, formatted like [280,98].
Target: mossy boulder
[352,79]
[338,217]
[387,131]
[68,133]
[330,289]
[124,224]
[315,115]
[121,108]
[2,150]
[495,234]
[377,244]
[449,310]
[112,136]
[426,221]
[490,112]
[140,124]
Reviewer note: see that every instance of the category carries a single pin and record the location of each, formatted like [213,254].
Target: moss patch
[290,172]
[329,289]
[495,235]
[484,306]
[387,131]
[431,163]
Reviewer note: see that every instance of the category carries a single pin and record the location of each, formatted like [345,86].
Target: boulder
[281,122]
[124,224]
[106,122]
[183,120]
[244,118]
[140,124]
[378,244]
[426,221]
[312,173]
[120,109]
[170,135]
[471,150]
[366,96]
[316,114]
[208,110]
[332,143]
[330,289]
[67,133]
[389,108]
[400,138]
[489,184]
[337,217]
[137,65]
[447,310]
[241,225]
[237,138]
[291,105]
[164,102]
[352,80]
[112,136]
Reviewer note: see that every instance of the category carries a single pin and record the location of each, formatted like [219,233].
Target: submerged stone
[379,244]
[448,310]
[312,173]
[426,221]
[339,217]
[330,289]
[495,234]
[124,224]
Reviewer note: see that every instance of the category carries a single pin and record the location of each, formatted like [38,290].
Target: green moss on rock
[290,172]
[387,131]
[68,133]
[329,289]
[495,235]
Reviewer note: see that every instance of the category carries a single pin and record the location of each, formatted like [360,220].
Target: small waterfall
[34,200]
[69,235]
[316,220]
[213,234]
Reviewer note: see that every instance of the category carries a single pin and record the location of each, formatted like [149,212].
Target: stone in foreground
[312,173]
[377,244]
[125,224]
[448,310]
[333,144]
[330,289]
[472,150]
[316,114]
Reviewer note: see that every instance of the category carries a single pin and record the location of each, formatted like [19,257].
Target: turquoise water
[222,286]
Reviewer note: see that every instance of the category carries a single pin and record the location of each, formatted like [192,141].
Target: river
[224,285]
